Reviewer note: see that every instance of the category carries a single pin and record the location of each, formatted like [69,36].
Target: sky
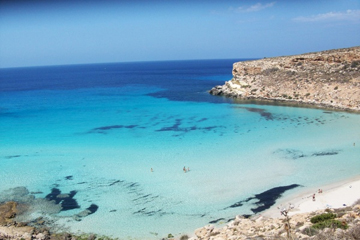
[60,32]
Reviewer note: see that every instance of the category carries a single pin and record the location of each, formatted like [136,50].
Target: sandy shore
[271,225]
[336,195]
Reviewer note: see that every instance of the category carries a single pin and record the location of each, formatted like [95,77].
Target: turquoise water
[98,130]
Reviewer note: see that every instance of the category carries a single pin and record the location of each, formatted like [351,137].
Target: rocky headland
[328,79]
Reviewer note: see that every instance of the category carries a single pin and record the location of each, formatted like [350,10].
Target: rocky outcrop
[329,78]
[298,227]
[38,229]
[7,212]
[9,228]
[19,211]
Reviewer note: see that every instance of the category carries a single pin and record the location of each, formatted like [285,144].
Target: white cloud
[253,8]
[349,15]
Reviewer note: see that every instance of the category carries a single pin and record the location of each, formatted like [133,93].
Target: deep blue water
[180,80]
[96,131]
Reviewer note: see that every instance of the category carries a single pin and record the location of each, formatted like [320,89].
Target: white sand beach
[271,223]
[336,195]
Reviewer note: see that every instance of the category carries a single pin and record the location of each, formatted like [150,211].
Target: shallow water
[98,130]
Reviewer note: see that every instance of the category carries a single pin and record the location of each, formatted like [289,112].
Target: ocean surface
[101,148]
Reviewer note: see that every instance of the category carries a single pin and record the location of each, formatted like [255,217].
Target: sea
[141,150]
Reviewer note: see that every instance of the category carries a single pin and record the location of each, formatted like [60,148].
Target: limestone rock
[260,227]
[40,236]
[7,212]
[329,78]
[13,232]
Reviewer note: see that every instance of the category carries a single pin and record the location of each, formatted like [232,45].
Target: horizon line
[136,61]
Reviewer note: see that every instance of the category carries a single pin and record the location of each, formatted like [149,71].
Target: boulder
[8,212]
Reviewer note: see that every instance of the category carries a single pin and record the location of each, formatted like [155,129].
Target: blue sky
[36,33]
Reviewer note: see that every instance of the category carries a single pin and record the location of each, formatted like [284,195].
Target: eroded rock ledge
[329,79]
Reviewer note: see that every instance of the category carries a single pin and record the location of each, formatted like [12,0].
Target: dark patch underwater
[265,199]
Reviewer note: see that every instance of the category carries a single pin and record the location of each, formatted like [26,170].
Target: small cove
[96,137]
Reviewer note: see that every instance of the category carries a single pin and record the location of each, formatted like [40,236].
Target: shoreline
[334,195]
[293,103]
[295,222]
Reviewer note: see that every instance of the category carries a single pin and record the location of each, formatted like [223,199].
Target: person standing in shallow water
[184,169]
[314,197]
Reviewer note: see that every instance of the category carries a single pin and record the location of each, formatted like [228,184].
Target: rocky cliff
[329,78]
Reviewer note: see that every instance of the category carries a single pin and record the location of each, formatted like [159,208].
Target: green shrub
[330,223]
[322,217]
[327,220]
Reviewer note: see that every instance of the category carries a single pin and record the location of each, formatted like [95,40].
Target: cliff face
[329,78]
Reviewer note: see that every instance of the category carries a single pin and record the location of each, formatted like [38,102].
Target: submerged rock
[17,194]
[90,210]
